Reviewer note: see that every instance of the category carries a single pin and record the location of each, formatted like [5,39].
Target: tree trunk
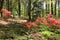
[8,7]
[19,7]
[52,7]
[29,9]
[1,5]
[55,8]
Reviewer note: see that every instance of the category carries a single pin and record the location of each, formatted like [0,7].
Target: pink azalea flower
[52,20]
[6,13]
[49,15]
[30,24]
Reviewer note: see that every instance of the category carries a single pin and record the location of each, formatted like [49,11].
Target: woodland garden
[29,19]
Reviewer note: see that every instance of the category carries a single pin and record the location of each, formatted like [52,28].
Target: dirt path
[4,22]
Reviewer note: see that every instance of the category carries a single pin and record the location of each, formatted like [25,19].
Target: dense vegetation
[29,19]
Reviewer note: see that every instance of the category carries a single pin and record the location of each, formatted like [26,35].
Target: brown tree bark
[1,5]
[8,5]
[29,9]
[55,8]
[19,8]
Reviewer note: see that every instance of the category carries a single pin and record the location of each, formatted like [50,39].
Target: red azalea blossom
[50,25]
[34,24]
[30,24]
[6,13]
[49,15]
[57,22]
[44,22]
[37,20]
[52,20]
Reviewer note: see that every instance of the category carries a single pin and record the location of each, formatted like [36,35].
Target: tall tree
[55,8]
[19,8]
[51,7]
[8,3]
[1,5]
[29,9]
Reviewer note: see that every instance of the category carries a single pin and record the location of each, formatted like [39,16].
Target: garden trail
[3,22]
[8,21]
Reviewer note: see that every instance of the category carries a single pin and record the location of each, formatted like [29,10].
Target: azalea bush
[6,13]
[43,25]
[47,21]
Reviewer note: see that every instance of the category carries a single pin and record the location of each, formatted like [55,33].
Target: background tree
[29,9]
[19,8]
[1,5]
[8,4]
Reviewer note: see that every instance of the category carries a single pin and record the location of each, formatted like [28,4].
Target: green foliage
[44,28]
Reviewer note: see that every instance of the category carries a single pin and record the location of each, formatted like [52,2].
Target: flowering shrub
[42,23]
[49,15]
[30,24]
[6,13]
[48,21]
